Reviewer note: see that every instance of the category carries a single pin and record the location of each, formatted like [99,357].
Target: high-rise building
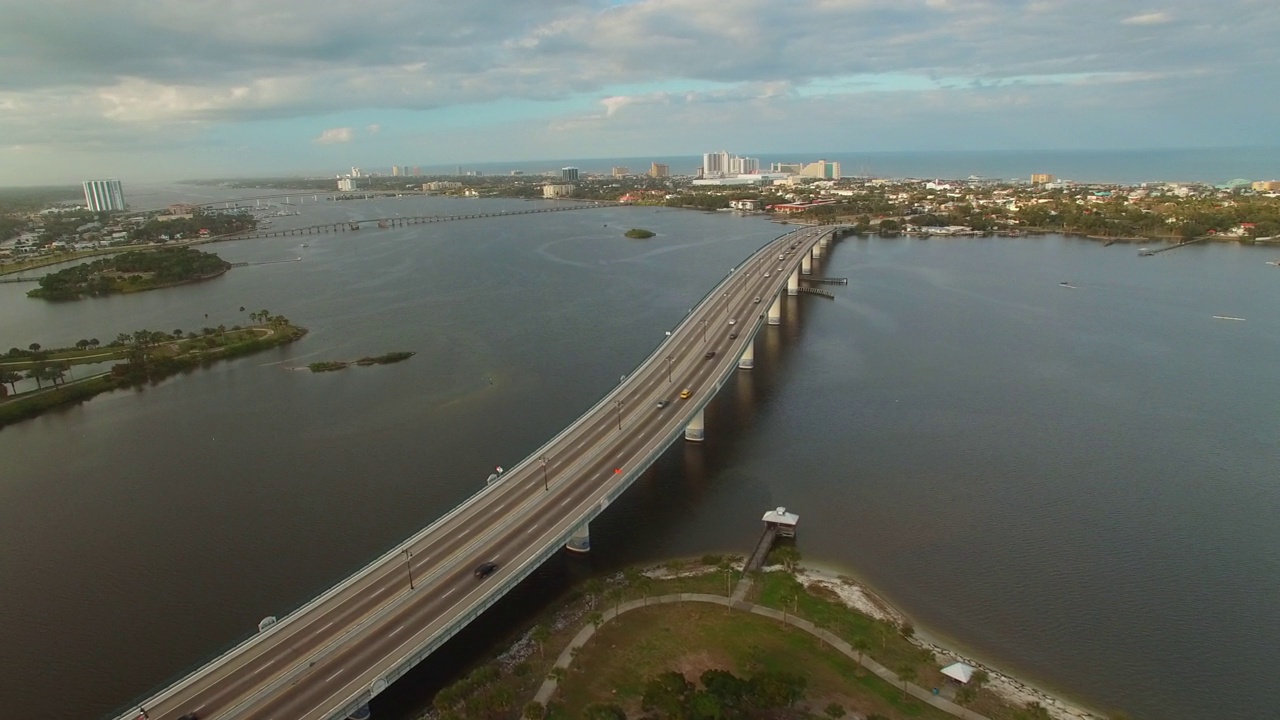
[346,184]
[557,191]
[621,171]
[395,171]
[103,195]
[417,171]
[355,172]
[720,164]
[570,174]
[824,169]
[659,170]
[1041,178]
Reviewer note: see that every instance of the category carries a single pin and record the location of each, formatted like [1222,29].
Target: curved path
[566,657]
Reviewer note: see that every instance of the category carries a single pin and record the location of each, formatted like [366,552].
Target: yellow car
[685,393]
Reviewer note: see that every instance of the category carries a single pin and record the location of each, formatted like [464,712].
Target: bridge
[390,222]
[330,657]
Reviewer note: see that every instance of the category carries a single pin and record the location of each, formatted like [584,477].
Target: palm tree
[594,587]
[124,339]
[9,377]
[862,645]
[36,373]
[906,673]
[539,635]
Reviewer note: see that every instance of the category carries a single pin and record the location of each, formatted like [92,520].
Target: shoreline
[859,595]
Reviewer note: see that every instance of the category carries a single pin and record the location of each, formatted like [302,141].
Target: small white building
[783,520]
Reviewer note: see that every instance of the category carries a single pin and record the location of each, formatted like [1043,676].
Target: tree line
[151,269]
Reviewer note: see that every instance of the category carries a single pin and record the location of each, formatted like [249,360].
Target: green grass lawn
[693,637]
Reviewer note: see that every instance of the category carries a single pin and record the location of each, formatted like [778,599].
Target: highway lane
[273,661]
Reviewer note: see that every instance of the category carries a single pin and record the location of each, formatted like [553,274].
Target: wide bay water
[1076,484]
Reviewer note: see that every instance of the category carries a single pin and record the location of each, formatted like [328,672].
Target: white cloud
[334,135]
[1155,18]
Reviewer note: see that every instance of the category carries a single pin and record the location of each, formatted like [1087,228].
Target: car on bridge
[485,569]
[662,404]
[685,393]
[733,335]
[710,354]
[733,321]
[757,300]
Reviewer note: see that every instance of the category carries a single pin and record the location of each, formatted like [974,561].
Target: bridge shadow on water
[655,519]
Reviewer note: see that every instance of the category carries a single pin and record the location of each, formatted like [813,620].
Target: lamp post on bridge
[545,484]
[704,331]
[619,403]
[670,360]
[409,566]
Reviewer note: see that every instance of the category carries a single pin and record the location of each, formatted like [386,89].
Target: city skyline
[165,90]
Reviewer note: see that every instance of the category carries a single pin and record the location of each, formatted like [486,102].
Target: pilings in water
[580,541]
[695,431]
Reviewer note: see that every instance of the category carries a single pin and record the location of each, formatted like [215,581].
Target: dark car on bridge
[485,569]
[710,354]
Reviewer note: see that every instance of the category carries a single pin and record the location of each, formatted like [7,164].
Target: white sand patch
[1014,691]
[851,593]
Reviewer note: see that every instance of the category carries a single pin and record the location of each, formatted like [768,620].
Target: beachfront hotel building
[723,164]
[659,170]
[103,195]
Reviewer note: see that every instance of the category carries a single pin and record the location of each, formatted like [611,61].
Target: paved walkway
[566,657]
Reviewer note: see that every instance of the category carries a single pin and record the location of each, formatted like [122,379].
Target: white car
[732,321]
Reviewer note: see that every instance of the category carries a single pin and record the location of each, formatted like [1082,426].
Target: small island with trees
[638,233]
[148,356]
[386,359]
[131,272]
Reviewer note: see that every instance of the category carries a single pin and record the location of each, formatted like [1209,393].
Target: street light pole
[619,404]
[545,485]
[670,360]
[704,331]
[409,566]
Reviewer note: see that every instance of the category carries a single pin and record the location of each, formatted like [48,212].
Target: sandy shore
[1015,691]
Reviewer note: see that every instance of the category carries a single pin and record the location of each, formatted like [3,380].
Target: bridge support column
[775,311]
[580,541]
[806,265]
[793,283]
[362,713]
[748,358]
[817,251]
[696,429]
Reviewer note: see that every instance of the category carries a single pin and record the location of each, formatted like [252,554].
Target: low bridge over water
[398,221]
[330,657]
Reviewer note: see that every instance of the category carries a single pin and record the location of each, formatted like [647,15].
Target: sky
[151,90]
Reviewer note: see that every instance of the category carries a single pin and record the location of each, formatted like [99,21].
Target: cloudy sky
[167,89]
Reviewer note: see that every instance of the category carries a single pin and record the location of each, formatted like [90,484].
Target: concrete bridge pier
[362,713]
[696,429]
[793,283]
[580,541]
[817,251]
[806,265]
[775,311]
[748,358]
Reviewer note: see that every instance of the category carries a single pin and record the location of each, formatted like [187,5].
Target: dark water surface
[1075,484]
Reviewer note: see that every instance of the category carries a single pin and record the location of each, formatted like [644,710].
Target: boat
[384,224]
[353,225]
[1143,252]
[305,244]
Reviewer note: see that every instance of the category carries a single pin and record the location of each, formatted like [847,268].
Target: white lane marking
[450,592]
[398,629]
[334,675]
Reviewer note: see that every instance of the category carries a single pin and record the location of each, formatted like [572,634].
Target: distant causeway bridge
[390,222]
